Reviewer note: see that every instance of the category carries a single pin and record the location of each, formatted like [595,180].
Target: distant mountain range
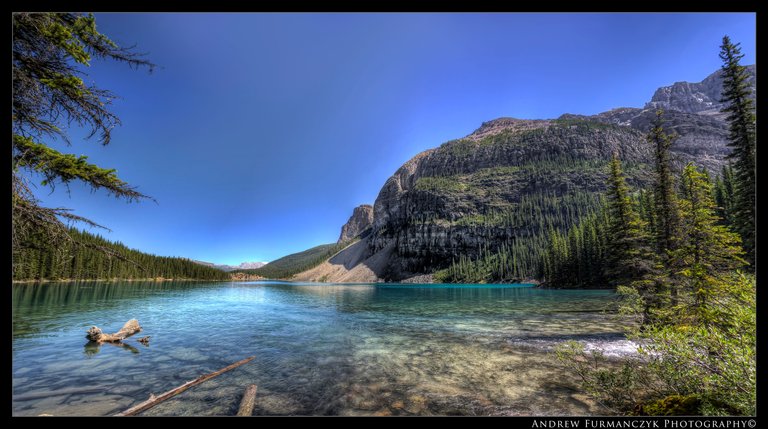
[242,266]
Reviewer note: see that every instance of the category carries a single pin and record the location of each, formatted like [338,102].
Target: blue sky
[260,133]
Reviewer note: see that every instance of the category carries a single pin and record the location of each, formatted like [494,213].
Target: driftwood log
[96,335]
[154,400]
[249,400]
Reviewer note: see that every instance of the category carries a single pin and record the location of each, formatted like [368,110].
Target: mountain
[249,265]
[292,264]
[358,224]
[242,266]
[498,192]
[702,97]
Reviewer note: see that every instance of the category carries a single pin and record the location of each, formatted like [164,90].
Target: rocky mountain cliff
[358,224]
[702,97]
[504,186]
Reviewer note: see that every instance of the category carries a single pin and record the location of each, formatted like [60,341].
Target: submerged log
[96,335]
[154,400]
[249,400]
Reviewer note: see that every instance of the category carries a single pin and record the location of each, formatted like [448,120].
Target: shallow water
[320,349]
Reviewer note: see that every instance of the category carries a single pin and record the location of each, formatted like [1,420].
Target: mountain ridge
[498,190]
[225,267]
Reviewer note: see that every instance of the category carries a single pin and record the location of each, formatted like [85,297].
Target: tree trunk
[96,335]
[249,400]
[154,400]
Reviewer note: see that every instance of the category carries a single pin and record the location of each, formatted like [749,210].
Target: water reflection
[72,295]
[92,347]
[38,301]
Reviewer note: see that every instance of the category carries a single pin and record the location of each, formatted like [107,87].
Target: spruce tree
[667,218]
[723,193]
[707,247]
[628,257]
[664,198]
[741,119]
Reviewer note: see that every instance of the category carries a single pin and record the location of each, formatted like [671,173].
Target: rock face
[358,224]
[511,181]
[702,97]
[701,138]
[482,191]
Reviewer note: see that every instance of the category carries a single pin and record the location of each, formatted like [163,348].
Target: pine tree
[667,217]
[664,198]
[627,252]
[707,247]
[723,193]
[741,120]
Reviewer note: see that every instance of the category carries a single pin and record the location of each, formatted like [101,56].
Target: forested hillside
[295,263]
[91,257]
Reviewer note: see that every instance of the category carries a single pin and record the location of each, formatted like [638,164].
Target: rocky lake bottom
[320,349]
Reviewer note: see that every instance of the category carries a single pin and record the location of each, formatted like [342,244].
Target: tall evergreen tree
[645,208]
[723,193]
[741,119]
[664,197]
[707,247]
[627,252]
[667,217]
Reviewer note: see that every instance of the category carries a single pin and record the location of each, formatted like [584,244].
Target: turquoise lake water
[321,349]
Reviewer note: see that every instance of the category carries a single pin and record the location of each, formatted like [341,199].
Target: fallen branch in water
[96,335]
[154,400]
[249,400]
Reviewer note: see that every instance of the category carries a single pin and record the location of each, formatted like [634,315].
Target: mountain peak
[359,223]
[701,97]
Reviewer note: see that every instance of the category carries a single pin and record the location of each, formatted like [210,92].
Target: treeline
[295,263]
[580,256]
[530,223]
[87,256]
[679,257]
[576,258]
[512,262]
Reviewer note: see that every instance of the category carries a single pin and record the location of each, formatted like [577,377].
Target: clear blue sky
[260,132]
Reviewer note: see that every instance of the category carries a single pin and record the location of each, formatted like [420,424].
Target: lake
[321,349]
